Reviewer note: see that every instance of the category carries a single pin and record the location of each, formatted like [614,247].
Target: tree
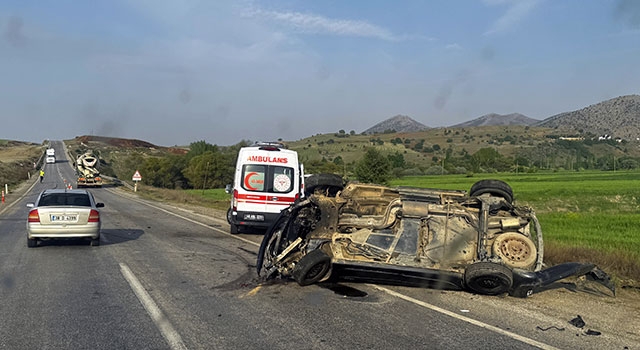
[396,160]
[318,166]
[210,170]
[163,172]
[373,167]
[488,157]
[200,147]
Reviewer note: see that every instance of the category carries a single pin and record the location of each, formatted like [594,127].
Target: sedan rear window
[55,199]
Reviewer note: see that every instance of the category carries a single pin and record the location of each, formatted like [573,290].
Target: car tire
[234,229]
[493,187]
[312,268]
[331,183]
[488,278]
[32,242]
[95,242]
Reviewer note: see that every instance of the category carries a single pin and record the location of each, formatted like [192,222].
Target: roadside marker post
[136,178]
[2,196]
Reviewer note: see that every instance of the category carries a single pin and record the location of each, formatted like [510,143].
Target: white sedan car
[60,213]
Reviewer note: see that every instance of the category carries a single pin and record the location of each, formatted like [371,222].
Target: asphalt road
[168,278]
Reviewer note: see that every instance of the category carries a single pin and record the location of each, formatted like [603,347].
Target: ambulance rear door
[265,189]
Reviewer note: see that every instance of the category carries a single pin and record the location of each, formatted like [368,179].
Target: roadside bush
[435,170]
[411,172]
[459,170]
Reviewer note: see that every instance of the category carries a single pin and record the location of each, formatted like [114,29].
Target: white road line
[164,326]
[465,319]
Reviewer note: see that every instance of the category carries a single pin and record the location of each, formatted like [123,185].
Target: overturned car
[478,241]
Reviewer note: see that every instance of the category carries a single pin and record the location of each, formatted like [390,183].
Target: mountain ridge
[398,123]
[618,117]
[499,119]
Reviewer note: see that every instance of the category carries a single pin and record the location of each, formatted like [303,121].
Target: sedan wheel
[32,242]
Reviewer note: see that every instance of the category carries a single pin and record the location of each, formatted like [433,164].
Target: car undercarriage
[449,239]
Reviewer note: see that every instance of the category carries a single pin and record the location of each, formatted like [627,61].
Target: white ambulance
[268,178]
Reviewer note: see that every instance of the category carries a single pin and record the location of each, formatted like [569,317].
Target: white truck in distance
[51,155]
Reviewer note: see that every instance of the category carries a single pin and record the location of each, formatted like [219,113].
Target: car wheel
[32,242]
[488,278]
[515,250]
[494,187]
[312,268]
[95,242]
[331,183]
[271,245]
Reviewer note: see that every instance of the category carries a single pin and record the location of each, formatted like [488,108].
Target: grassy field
[217,197]
[585,216]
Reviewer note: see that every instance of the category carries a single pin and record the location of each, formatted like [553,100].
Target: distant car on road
[50,159]
[59,213]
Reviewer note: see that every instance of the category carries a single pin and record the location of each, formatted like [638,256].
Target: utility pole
[206,170]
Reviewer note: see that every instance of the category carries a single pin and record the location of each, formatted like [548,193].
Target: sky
[177,72]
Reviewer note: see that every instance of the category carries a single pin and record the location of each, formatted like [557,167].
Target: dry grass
[16,162]
[615,264]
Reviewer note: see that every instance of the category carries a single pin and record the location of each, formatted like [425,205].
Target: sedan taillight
[33,216]
[94,216]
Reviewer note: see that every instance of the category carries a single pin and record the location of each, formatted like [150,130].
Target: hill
[399,123]
[618,117]
[499,119]
[101,142]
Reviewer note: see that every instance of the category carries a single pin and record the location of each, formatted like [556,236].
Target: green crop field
[582,213]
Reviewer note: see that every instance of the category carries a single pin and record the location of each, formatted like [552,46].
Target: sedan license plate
[64,218]
[254,217]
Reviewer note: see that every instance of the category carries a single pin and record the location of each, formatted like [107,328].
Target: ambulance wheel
[233,228]
[329,183]
[229,216]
